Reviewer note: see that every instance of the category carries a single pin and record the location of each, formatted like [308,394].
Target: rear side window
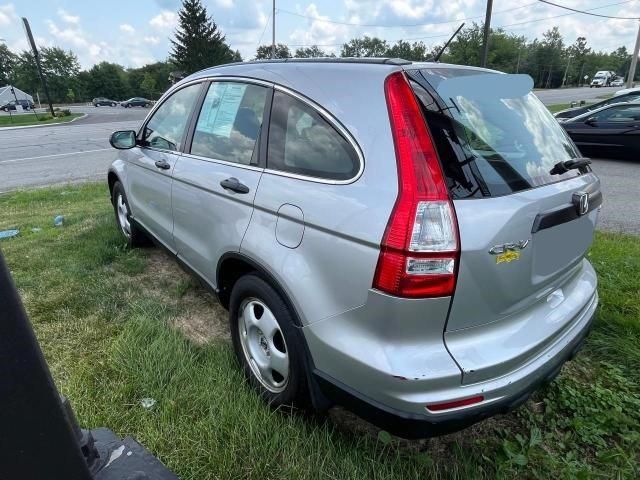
[229,123]
[493,135]
[621,114]
[166,127]
[303,142]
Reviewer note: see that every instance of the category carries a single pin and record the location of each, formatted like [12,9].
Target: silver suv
[405,239]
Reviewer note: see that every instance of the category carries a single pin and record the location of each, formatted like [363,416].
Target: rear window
[493,135]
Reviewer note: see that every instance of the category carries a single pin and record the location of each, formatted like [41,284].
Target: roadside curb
[2,129]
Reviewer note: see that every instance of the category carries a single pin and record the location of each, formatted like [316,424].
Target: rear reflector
[420,248]
[438,407]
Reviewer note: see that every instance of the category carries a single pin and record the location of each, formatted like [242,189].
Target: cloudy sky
[135,32]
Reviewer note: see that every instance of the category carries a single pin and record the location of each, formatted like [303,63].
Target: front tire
[132,234]
[266,342]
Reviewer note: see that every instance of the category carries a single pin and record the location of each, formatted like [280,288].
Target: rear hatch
[524,232]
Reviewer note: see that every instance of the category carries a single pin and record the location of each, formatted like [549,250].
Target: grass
[30,119]
[558,107]
[119,325]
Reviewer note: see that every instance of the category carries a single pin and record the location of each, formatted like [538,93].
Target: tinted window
[495,135]
[166,128]
[625,113]
[229,122]
[301,141]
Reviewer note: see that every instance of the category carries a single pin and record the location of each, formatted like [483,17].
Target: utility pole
[273,30]
[487,29]
[36,56]
[566,70]
[518,64]
[634,61]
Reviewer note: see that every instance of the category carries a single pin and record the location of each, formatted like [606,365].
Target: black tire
[251,286]
[135,237]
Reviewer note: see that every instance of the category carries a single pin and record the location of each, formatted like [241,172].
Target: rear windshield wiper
[563,167]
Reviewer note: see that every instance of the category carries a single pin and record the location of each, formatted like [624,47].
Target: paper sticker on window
[222,104]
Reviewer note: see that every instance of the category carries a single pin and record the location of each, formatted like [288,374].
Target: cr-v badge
[508,252]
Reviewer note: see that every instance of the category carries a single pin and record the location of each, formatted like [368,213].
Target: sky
[135,32]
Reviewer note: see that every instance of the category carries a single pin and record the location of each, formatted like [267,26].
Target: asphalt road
[80,151]
[568,95]
[66,153]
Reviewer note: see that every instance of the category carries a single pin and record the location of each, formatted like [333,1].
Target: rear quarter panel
[332,269]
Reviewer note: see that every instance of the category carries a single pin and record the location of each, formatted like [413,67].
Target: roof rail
[368,60]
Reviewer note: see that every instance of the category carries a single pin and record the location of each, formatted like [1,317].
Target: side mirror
[123,139]
[591,121]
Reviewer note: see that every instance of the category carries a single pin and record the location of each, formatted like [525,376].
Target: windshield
[599,75]
[508,134]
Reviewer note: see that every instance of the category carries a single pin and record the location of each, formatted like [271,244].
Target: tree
[416,52]
[148,86]
[365,47]
[25,74]
[264,51]
[311,52]
[198,43]
[158,71]
[108,80]
[8,61]
[61,69]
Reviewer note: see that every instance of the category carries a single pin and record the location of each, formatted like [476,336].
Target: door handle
[163,164]
[234,185]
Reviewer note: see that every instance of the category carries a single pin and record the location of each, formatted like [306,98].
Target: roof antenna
[437,57]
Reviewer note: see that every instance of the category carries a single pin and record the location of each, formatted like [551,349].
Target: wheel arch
[233,265]
[112,178]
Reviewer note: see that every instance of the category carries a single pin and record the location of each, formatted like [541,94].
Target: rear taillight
[420,248]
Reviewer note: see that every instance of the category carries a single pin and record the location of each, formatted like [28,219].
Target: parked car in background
[136,102]
[104,102]
[405,239]
[26,105]
[609,132]
[618,82]
[602,78]
[576,111]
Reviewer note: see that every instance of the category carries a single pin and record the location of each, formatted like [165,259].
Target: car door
[151,163]
[216,179]
[607,133]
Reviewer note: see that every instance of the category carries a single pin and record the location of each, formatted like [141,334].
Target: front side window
[229,122]
[303,142]
[165,129]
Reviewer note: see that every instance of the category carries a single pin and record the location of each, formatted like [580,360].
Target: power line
[266,24]
[317,19]
[541,19]
[587,12]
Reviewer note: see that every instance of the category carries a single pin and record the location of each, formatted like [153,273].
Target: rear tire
[132,234]
[266,342]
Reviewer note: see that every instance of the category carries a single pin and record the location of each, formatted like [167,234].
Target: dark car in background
[26,104]
[610,132]
[574,112]
[104,102]
[136,102]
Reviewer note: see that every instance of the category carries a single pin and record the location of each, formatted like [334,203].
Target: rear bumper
[408,425]
[387,361]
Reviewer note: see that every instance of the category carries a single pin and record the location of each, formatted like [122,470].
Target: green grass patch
[116,326]
[558,107]
[31,119]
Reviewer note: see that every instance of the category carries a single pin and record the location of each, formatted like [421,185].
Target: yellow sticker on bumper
[507,257]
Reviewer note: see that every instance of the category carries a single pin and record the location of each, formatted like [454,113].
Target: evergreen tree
[198,43]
